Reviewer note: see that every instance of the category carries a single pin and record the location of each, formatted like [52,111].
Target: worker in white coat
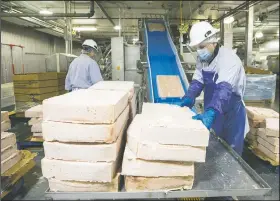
[84,71]
[220,73]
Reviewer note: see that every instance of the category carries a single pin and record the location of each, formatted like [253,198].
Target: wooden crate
[34,98]
[39,76]
[27,84]
[252,70]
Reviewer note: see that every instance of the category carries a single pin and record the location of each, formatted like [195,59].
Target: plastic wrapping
[260,87]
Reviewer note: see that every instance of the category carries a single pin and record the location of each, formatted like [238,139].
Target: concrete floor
[36,185]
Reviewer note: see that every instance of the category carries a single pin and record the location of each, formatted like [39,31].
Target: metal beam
[105,13]
[90,14]
[249,36]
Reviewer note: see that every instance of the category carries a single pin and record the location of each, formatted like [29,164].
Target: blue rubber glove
[187,102]
[207,117]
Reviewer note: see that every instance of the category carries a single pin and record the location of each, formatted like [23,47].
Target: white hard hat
[90,43]
[200,32]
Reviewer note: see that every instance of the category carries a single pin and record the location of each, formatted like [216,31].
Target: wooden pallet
[263,157]
[31,142]
[16,172]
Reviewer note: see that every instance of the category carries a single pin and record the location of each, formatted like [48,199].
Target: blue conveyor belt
[163,59]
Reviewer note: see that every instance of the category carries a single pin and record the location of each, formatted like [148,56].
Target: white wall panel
[36,44]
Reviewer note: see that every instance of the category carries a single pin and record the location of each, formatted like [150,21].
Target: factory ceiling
[108,14]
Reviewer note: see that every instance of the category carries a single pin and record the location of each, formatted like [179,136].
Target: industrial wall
[37,46]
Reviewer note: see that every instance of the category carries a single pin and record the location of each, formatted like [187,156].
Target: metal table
[223,174]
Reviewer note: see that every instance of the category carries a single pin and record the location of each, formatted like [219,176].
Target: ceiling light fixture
[117,27]
[229,20]
[84,28]
[46,12]
[258,34]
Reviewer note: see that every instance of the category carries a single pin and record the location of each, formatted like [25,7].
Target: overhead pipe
[236,9]
[105,13]
[268,9]
[90,14]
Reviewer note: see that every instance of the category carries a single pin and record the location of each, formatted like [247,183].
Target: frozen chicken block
[259,114]
[71,132]
[79,171]
[5,125]
[37,135]
[36,128]
[169,86]
[75,186]
[268,153]
[156,27]
[35,120]
[7,139]
[126,86]
[76,152]
[136,167]
[8,151]
[179,130]
[86,106]
[132,107]
[272,140]
[253,131]
[256,124]
[162,109]
[270,147]
[36,111]
[157,183]
[272,127]
[10,162]
[4,116]
[155,151]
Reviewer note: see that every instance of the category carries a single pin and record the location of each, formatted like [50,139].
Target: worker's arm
[229,76]
[94,72]
[197,83]
[194,89]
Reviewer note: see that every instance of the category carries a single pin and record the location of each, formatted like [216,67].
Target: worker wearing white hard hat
[220,73]
[84,70]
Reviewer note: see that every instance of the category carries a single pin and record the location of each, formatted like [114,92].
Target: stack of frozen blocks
[265,126]
[126,86]
[36,115]
[163,142]
[9,153]
[83,139]
[5,121]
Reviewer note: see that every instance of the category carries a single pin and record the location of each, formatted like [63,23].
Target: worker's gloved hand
[187,102]
[207,117]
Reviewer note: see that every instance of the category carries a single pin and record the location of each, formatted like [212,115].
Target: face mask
[204,54]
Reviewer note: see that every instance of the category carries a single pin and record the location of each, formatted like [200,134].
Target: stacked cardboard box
[9,153]
[83,139]
[162,145]
[36,115]
[5,121]
[127,86]
[264,127]
[35,87]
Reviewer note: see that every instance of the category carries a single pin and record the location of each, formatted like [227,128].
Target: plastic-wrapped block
[260,87]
